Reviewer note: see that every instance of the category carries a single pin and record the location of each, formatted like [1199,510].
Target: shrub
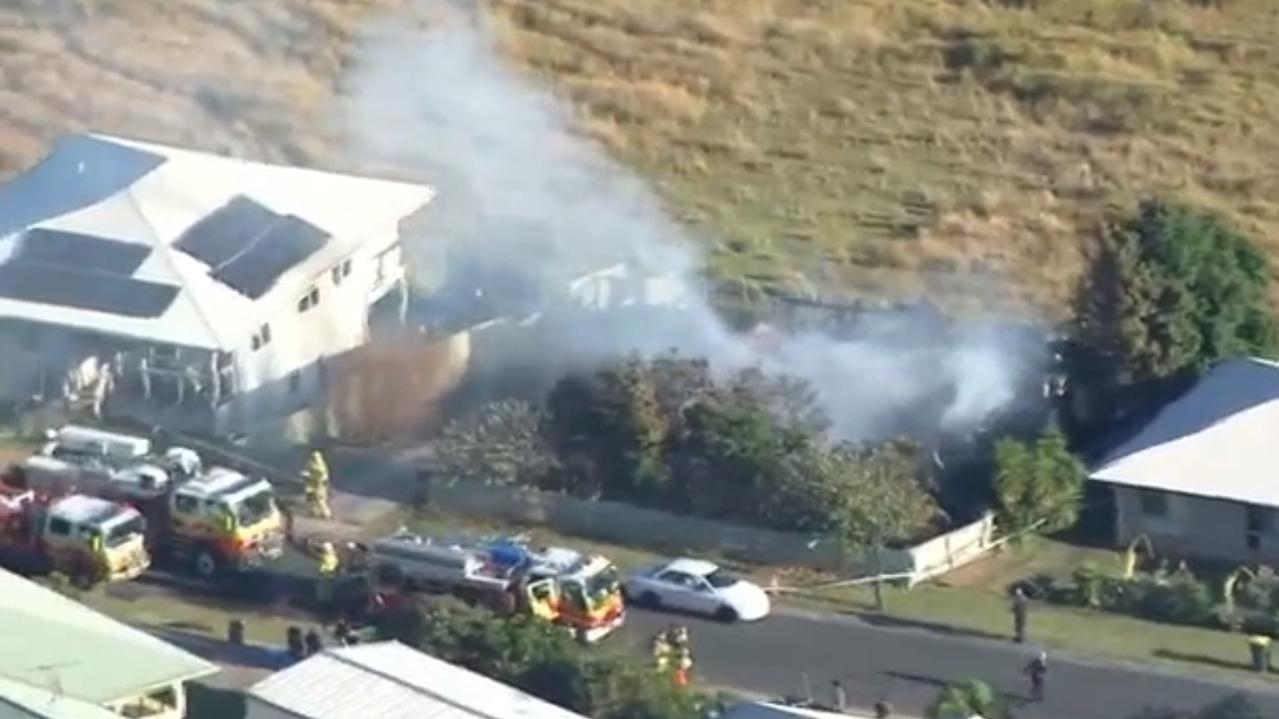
[1178,598]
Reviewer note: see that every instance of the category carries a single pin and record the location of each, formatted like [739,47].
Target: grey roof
[53,641]
[389,680]
[1217,440]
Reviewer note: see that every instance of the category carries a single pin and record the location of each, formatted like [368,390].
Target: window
[341,271]
[1153,504]
[185,504]
[1260,519]
[262,337]
[295,381]
[59,526]
[309,300]
[679,579]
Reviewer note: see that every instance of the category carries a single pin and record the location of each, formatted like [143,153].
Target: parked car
[698,587]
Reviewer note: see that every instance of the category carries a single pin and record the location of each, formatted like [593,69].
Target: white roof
[1217,440]
[695,567]
[768,710]
[81,508]
[19,700]
[149,195]
[216,481]
[391,681]
[55,642]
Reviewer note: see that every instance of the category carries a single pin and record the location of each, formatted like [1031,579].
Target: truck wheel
[206,565]
[83,578]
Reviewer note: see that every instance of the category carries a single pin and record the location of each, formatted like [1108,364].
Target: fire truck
[89,539]
[580,592]
[209,520]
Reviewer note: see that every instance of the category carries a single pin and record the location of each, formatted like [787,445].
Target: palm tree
[966,700]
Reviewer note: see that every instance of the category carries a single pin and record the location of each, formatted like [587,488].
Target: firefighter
[316,475]
[661,652]
[328,565]
[682,652]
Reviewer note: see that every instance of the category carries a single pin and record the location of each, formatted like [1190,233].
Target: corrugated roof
[391,681]
[1217,440]
[149,195]
[24,701]
[49,640]
[768,710]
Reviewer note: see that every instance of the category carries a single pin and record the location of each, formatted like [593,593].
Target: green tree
[1039,486]
[500,443]
[876,499]
[1173,290]
[542,660]
[966,699]
[613,427]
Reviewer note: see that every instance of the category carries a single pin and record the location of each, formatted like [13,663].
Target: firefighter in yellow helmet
[328,565]
[682,654]
[661,652]
[316,476]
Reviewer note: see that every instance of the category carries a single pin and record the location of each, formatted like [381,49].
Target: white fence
[625,523]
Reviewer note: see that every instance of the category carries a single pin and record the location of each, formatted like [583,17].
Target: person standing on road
[839,698]
[1037,670]
[1021,606]
[316,476]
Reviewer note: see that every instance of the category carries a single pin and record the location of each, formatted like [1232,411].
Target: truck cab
[87,538]
[588,589]
[224,520]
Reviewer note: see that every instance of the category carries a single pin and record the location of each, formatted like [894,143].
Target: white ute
[698,587]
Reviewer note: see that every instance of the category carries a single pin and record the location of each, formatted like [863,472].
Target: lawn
[974,601]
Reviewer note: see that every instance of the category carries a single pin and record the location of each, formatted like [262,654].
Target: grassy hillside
[255,77]
[957,148]
[960,148]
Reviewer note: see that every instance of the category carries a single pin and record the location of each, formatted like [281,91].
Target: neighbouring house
[199,291]
[62,660]
[1199,479]
[389,680]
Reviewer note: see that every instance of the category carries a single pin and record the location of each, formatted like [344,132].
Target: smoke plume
[534,203]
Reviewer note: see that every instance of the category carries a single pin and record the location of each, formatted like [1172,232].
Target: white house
[60,659]
[389,680]
[1199,478]
[214,288]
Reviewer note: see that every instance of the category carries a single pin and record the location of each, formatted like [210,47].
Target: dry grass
[254,78]
[957,148]
[961,149]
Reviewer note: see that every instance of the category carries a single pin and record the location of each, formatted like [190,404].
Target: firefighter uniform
[661,652]
[682,655]
[328,565]
[316,475]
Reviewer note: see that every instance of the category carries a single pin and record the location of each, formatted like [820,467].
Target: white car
[697,587]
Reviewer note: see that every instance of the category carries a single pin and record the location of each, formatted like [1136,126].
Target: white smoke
[519,189]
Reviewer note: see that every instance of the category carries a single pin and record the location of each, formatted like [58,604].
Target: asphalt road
[798,653]
[792,649]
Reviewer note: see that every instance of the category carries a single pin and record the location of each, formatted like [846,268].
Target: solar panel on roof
[227,231]
[82,252]
[289,241]
[98,291]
